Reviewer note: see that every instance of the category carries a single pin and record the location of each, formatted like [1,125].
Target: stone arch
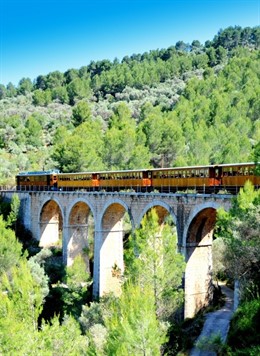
[162,210]
[198,254]
[111,235]
[80,233]
[50,224]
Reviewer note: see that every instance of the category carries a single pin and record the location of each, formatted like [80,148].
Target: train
[200,179]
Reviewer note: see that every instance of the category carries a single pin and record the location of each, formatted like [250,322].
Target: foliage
[244,332]
[64,339]
[257,157]
[133,327]
[10,248]
[80,113]
[239,229]
[152,261]
[86,139]
[38,273]
[23,296]
[212,344]
[218,251]
[15,206]
[75,290]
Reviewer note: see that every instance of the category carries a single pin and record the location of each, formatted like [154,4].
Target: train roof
[164,169]
[56,171]
[53,171]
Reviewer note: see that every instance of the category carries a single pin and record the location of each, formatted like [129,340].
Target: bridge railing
[34,188]
[7,187]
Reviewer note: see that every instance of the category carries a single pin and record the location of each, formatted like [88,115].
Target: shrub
[244,329]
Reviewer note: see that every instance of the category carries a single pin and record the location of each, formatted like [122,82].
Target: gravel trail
[217,322]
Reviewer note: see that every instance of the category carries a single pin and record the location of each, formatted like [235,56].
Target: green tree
[60,339]
[15,206]
[81,113]
[11,90]
[120,140]
[25,86]
[3,91]
[239,229]
[133,328]
[152,260]
[87,139]
[10,248]
[33,132]
[257,157]
[24,295]
[60,94]
[78,89]
[42,98]
[54,79]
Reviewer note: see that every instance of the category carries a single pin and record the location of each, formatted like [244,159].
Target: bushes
[245,329]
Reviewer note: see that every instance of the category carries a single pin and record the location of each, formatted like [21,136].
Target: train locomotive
[200,179]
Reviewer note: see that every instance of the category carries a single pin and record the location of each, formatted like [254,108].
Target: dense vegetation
[138,322]
[187,104]
[238,240]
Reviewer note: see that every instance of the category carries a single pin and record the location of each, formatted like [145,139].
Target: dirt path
[217,323]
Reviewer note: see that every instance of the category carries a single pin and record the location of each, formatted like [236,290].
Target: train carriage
[183,178]
[41,180]
[72,181]
[235,175]
[139,180]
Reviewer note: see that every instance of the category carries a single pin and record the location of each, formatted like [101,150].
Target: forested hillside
[184,105]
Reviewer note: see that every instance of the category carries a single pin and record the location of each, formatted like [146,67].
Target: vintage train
[202,179]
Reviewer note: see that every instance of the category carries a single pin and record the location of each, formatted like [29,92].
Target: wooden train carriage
[173,179]
[36,180]
[72,181]
[132,179]
[235,175]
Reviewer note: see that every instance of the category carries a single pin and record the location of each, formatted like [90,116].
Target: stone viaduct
[72,217]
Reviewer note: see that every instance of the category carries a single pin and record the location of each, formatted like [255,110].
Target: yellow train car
[119,180]
[42,180]
[72,181]
[174,179]
[235,175]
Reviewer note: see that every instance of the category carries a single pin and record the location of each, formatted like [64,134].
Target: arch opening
[116,226]
[51,225]
[81,235]
[198,273]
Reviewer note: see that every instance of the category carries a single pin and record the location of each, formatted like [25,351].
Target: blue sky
[41,36]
